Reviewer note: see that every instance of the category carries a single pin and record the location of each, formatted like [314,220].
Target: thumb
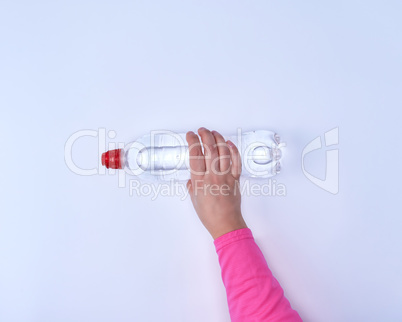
[190,187]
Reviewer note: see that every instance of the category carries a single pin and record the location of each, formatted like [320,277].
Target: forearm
[253,293]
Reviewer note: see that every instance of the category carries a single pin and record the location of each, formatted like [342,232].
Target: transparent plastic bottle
[164,155]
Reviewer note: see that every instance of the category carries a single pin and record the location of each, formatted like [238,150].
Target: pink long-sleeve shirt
[253,293]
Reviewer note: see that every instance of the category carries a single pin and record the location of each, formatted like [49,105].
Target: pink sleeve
[252,291]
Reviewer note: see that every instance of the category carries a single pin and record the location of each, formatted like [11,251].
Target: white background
[76,248]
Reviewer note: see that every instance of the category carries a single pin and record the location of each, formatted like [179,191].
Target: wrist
[228,228]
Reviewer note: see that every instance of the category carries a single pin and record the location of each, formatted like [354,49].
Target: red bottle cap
[113,159]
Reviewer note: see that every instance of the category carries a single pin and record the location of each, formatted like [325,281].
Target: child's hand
[214,183]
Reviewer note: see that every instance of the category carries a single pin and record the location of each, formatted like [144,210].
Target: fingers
[197,160]
[223,152]
[210,150]
[216,157]
[236,160]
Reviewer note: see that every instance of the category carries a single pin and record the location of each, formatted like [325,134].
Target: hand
[214,183]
